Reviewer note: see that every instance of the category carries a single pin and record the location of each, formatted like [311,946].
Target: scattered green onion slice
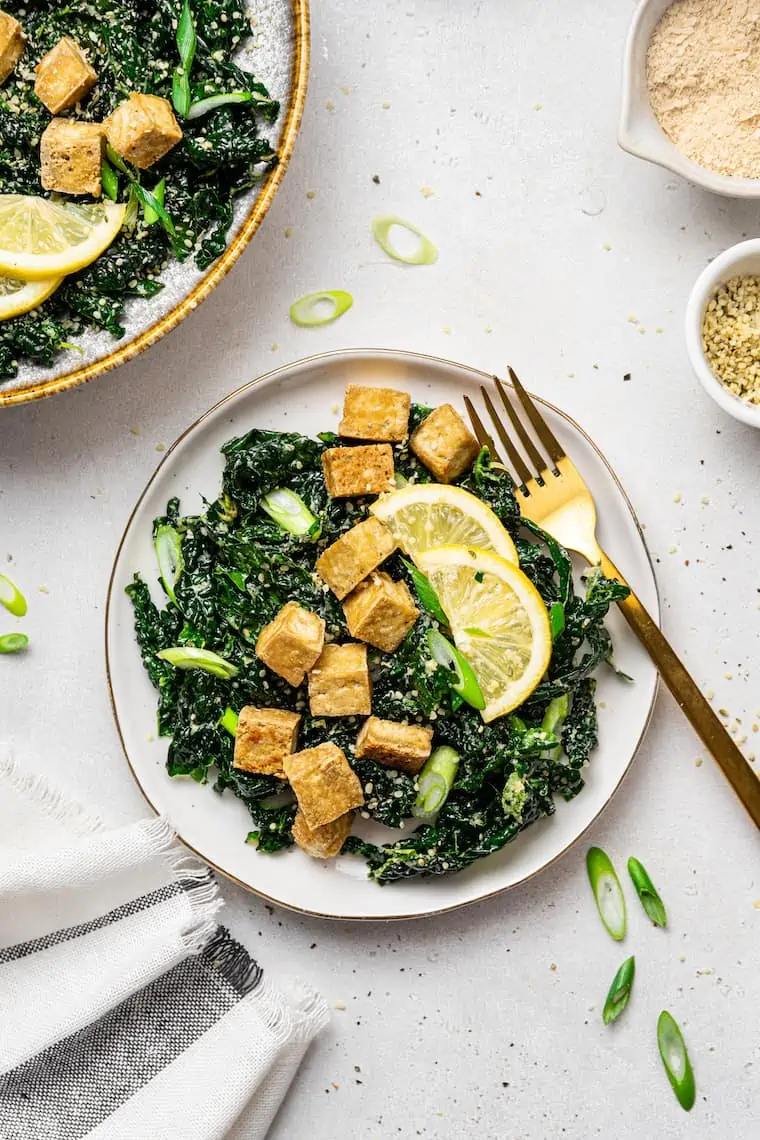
[399,479]
[675,1058]
[435,781]
[188,657]
[159,192]
[608,893]
[425,254]
[203,106]
[13,642]
[168,547]
[303,311]
[620,991]
[11,597]
[186,45]
[133,206]
[109,179]
[460,672]
[290,512]
[554,718]
[556,619]
[647,892]
[116,160]
[149,201]
[426,593]
[229,721]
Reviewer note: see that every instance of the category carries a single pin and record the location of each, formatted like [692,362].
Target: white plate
[303,397]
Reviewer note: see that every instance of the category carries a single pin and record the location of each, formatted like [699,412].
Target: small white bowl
[737,261]
[639,132]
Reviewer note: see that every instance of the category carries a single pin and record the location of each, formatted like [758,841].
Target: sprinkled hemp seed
[731,336]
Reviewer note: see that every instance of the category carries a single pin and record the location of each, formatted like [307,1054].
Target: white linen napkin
[127,1012]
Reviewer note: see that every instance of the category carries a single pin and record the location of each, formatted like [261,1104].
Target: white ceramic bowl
[736,261]
[639,132]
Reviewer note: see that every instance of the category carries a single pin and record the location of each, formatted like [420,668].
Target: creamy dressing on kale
[240,568]
[131,45]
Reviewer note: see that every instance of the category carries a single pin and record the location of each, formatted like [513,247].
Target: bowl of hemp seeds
[690,86]
[723,330]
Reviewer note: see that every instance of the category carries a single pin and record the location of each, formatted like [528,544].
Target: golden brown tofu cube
[352,556]
[358,470]
[324,783]
[375,413]
[380,611]
[402,746]
[263,739]
[322,842]
[291,643]
[71,157]
[339,682]
[143,129]
[64,76]
[12,41]
[445,444]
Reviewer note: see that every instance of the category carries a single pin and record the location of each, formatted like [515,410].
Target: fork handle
[690,700]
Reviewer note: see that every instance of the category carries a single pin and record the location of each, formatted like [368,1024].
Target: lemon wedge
[42,238]
[17,297]
[498,620]
[421,516]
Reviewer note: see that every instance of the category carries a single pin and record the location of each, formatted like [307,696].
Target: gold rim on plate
[220,268]
[284,369]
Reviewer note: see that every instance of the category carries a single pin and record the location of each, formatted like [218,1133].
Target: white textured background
[461,1026]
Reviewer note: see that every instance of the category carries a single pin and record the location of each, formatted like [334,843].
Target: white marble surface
[485,1023]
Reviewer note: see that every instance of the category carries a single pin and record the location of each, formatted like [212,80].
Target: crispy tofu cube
[375,413]
[71,157]
[358,470]
[380,611]
[402,746]
[143,129]
[263,739]
[339,682]
[12,42]
[322,842]
[64,76]
[291,643]
[324,783]
[445,444]
[352,556]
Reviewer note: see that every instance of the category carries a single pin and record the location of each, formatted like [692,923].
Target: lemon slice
[498,620]
[17,297]
[421,516]
[42,238]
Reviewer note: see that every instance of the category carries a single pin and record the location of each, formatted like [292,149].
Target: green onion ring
[608,893]
[302,311]
[425,254]
[675,1058]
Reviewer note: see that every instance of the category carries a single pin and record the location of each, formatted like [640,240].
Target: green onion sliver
[11,597]
[110,180]
[229,721]
[186,45]
[435,781]
[152,206]
[203,106]
[460,672]
[647,892]
[620,991]
[188,657]
[556,619]
[426,593]
[168,547]
[304,312]
[13,642]
[290,512]
[116,160]
[425,254]
[675,1058]
[159,192]
[554,718]
[608,893]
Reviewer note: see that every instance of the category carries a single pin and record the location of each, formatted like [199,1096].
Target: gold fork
[552,494]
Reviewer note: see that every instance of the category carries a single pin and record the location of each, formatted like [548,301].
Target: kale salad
[236,569]
[181,59]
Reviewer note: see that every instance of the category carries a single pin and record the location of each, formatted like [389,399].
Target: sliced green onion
[425,254]
[181,96]
[203,106]
[647,892]
[608,893]
[149,201]
[229,721]
[130,217]
[159,192]
[186,45]
[303,312]
[290,512]
[426,593]
[460,672]
[110,180]
[188,657]
[675,1058]
[13,642]
[620,991]
[116,160]
[556,619]
[399,479]
[435,781]
[168,547]
[554,718]
[11,597]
